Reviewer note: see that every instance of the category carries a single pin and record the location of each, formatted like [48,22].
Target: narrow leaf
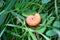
[3,13]
[8,7]
[12,25]
[2,18]
[45,37]
[12,33]
[18,16]
[50,20]
[2,32]
[33,36]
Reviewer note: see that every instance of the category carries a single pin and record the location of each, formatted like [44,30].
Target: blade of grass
[3,13]
[29,38]
[12,25]
[7,31]
[45,37]
[33,36]
[19,17]
[47,18]
[17,26]
[2,18]
[2,32]
[8,7]
[15,34]
[30,30]
[56,9]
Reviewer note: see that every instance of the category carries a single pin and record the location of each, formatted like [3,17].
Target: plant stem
[56,9]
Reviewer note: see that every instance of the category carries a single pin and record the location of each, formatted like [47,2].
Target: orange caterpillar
[33,20]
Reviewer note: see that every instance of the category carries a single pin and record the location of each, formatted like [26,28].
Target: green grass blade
[12,25]
[12,33]
[17,15]
[2,18]
[45,37]
[2,13]
[33,36]
[56,9]
[8,7]
[2,32]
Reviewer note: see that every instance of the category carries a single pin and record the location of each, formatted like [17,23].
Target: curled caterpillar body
[33,20]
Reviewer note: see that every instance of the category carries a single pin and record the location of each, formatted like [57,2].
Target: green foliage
[1,3]
[33,36]
[45,1]
[51,33]
[2,32]
[56,24]
[13,15]
[27,13]
[41,30]
[17,16]
[50,20]
[2,18]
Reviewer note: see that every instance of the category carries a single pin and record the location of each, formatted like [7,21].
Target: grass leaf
[18,16]
[33,36]
[8,7]
[12,33]
[12,25]
[2,18]
[2,32]
[45,37]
